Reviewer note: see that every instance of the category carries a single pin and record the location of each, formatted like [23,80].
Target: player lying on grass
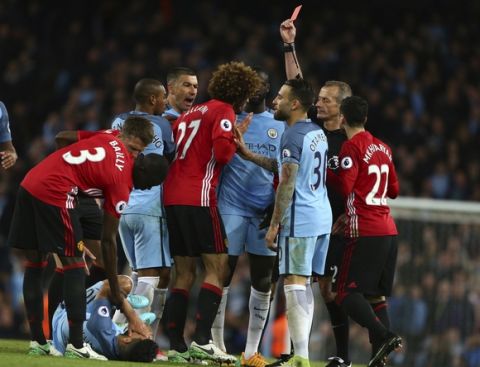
[106,338]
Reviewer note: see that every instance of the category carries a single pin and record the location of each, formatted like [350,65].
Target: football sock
[298,317]
[361,312]
[146,287]
[381,311]
[310,303]
[134,277]
[339,320]
[175,317]
[208,301]
[33,298]
[258,305]
[75,302]
[55,294]
[219,322]
[158,304]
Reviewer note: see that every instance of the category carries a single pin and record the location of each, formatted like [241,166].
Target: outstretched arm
[270,164]
[288,33]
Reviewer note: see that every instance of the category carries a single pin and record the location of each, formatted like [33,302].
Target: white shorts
[145,241]
[244,236]
[301,255]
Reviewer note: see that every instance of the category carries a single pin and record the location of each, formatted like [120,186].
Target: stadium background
[73,64]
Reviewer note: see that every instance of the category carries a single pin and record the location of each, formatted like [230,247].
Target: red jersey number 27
[85,155]
[191,130]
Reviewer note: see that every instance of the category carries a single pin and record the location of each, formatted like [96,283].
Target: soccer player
[105,337]
[204,136]
[8,154]
[100,164]
[245,192]
[182,85]
[328,112]
[366,178]
[143,227]
[301,208]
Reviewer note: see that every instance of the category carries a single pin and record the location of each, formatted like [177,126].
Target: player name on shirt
[119,156]
[320,137]
[372,148]
[202,108]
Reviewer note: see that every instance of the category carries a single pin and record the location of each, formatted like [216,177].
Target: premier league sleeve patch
[346,163]
[103,311]
[226,125]
[286,153]
[120,207]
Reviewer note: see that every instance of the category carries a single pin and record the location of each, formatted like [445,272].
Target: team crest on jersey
[346,163]
[81,246]
[120,207]
[286,153]
[226,125]
[104,311]
[272,133]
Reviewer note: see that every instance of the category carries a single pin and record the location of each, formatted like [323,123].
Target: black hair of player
[303,91]
[355,111]
[149,170]
[139,350]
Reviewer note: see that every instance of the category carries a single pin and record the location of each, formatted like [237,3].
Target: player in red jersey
[45,219]
[366,178]
[205,142]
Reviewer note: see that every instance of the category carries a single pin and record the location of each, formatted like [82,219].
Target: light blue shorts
[301,255]
[244,236]
[145,241]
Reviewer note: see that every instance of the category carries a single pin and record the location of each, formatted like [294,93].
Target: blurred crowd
[72,65]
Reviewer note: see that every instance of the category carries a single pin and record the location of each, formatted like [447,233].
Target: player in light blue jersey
[143,228]
[102,337]
[301,208]
[182,85]
[245,191]
[8,154]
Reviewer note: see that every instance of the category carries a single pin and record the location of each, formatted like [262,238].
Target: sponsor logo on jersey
[346,163]
[103,311]
[226,125]
[120,207]
[81,246]
[272,133]
[286,153]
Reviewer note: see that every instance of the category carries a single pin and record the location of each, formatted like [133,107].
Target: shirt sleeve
[5,134]
[348,170]
[100,324]
[116,198]
[393,185]
[167,137]
[224,146]
[291,147]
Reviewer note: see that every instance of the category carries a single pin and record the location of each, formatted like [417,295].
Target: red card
[295,12]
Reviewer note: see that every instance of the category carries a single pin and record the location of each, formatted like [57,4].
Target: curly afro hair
[234,83]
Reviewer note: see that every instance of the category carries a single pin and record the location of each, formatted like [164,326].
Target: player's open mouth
[189,101]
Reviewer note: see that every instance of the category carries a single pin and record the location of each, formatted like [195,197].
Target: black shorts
[336,247]
[368,266]
[91,218]
[44,227]
[195,230]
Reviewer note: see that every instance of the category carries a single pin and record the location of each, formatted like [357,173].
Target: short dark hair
[146,88]
[149,170]
[344,90]
[234,83]
[139,127]
[301,90]
[355,111]
[140,350]
[174,73]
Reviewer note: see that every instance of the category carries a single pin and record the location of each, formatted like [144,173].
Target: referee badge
[272,133]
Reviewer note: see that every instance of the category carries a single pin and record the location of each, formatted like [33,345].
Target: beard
[280,115]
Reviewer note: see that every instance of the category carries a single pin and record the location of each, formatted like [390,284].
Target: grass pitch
[13,354]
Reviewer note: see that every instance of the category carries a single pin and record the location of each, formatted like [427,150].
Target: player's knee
[262,284]
[164,278]
[124,282]
[375,299]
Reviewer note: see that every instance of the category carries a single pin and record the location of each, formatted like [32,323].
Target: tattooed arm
[270,164]
[283,199]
